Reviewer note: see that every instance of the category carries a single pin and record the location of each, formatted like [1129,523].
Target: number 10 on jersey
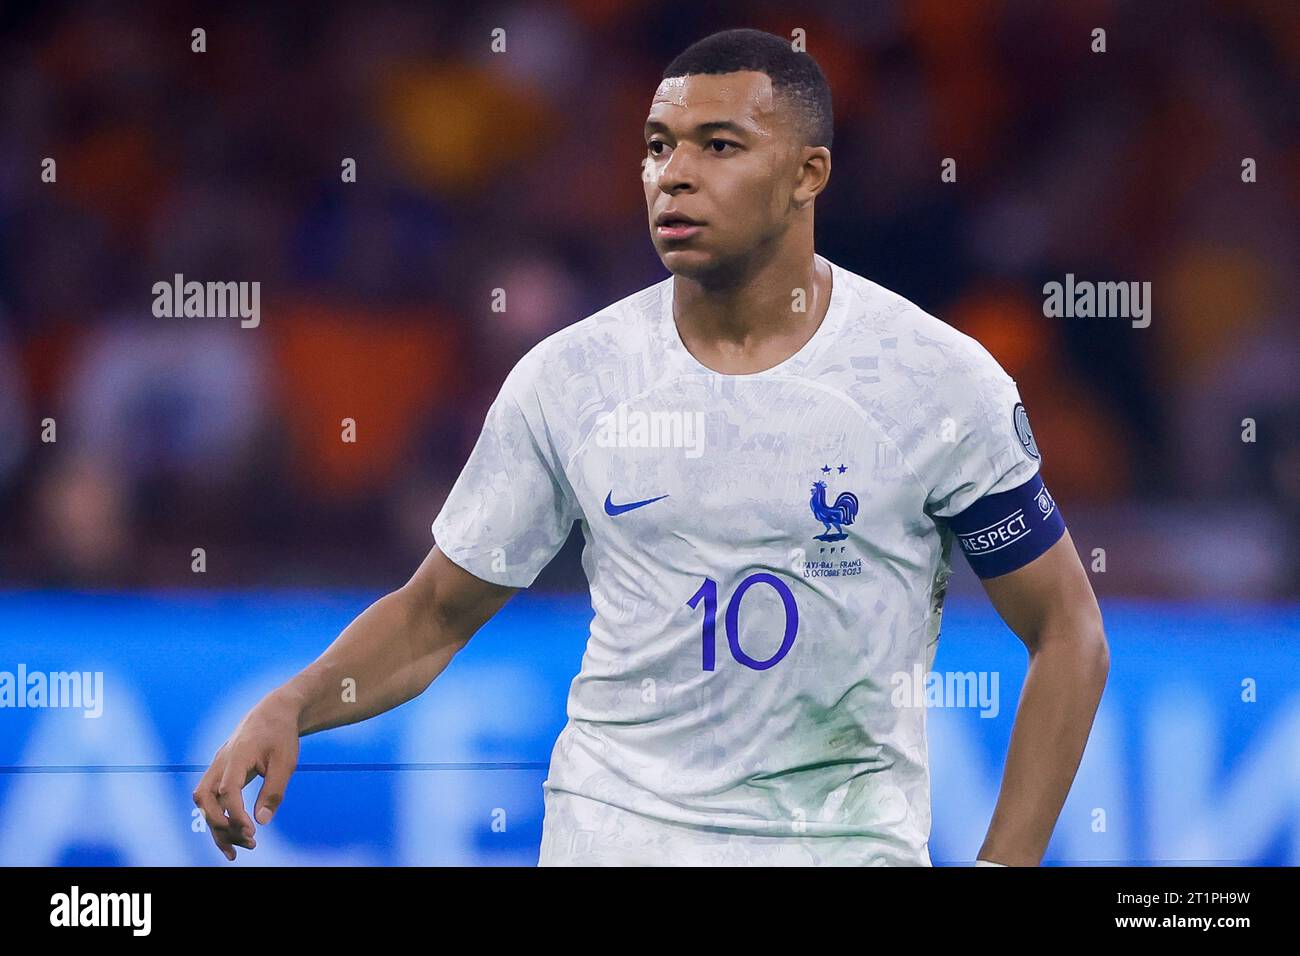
[708,593]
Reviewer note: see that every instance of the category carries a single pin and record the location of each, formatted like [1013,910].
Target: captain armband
[1003,532]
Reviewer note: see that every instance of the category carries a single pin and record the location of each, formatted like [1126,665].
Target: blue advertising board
[1193,757]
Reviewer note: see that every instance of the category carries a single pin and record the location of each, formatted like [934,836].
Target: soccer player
[771,458]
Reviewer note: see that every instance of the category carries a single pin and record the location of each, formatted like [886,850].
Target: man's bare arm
[396,647]
[389,654]
[1050,605]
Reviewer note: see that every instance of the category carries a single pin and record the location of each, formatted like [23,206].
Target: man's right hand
[264,744]
[387,656]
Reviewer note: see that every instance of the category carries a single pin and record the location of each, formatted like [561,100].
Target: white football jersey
[768,556]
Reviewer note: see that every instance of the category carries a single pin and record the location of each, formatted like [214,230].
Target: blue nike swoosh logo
[612,509]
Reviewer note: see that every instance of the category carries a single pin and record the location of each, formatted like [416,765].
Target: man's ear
[814,174]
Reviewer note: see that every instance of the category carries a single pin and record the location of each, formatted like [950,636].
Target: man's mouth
[674,218]
[675,225]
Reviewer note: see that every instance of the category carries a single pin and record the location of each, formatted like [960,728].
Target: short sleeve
[511,509]
[984,445]
[986,484]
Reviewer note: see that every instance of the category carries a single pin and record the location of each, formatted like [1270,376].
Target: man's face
[720,150]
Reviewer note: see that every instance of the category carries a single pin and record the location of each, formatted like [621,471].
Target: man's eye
[720,145]
[652,144]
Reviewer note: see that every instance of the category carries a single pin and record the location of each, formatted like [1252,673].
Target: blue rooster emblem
[841,513]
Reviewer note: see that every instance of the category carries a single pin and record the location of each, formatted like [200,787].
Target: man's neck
[757,322]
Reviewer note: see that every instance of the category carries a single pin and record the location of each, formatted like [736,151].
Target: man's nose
[677,173]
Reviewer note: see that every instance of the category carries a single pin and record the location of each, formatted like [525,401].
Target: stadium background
[519,171]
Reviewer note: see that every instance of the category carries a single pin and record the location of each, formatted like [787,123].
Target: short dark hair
[796,76]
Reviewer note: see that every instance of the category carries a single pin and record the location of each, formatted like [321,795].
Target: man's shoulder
[604,341]
[905,338]
[617,328]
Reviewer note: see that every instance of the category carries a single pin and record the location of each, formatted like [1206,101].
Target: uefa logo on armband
[1020,418]
[1045,503]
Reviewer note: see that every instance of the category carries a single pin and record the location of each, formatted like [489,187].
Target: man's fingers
[218,825]
[222,839]
[216,821]
[230,795]
[220,793]
[279,768]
